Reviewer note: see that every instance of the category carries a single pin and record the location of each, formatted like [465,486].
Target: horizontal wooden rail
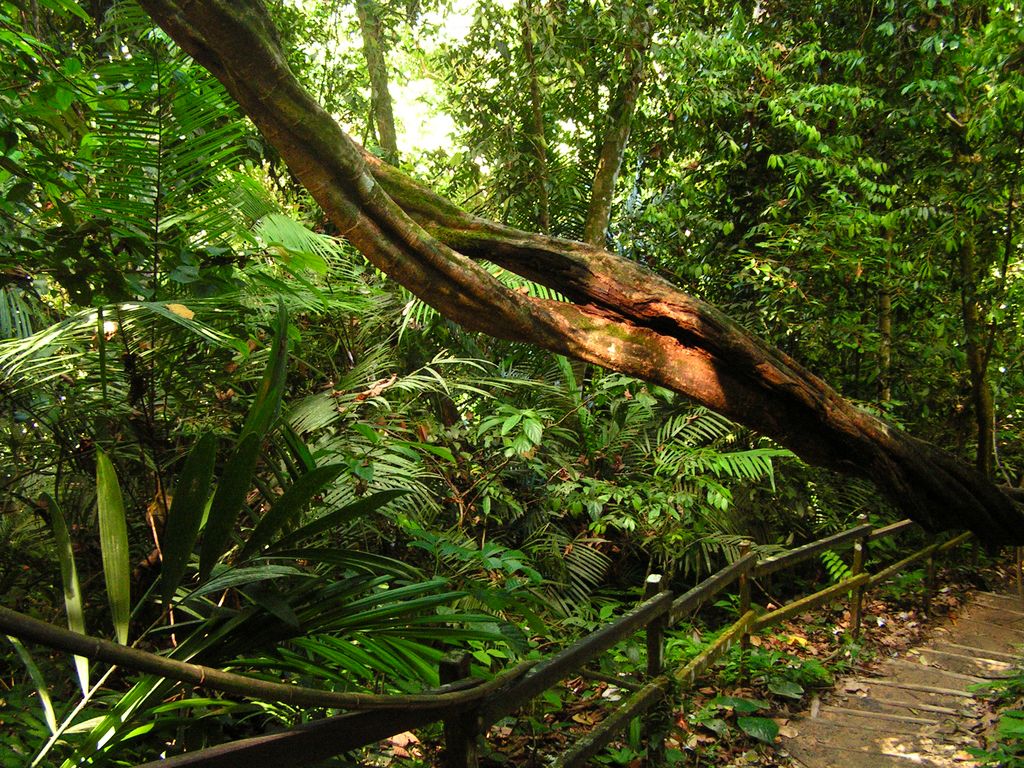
[891,530]
[554,669]
[27,628]
[688,674]
[806,603]
[308,744]
[592,744]
[887,573]
[807,551]
[711,586]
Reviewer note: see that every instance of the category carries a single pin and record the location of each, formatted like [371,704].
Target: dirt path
[919,710]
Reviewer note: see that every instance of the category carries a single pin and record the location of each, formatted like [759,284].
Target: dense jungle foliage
[225,436]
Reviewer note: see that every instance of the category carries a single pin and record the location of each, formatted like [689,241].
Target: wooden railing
[468,707]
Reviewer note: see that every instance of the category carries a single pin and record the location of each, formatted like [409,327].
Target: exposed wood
[618,314]
[981,653]
[913,687]
[557,667]
[836,541]
[913,705]
[878,715]
[966,657]
[973,679]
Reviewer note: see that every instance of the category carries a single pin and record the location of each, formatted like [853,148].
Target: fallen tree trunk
[619,315]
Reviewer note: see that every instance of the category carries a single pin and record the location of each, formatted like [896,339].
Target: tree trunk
[618,314]
[977,359]
[380,95]
[884,345]
[618,125]
[536,128]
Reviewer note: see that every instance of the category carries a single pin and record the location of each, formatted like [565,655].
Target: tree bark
[618,126]
[884,345]
[536,128]
[380,95]
[618,314]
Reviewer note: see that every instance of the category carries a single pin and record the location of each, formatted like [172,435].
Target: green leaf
[39,681]
[761,728]
[69,577]
[288,506]
[738,705]
[1011,725]
[228,578]
[268,397]
[186,513]
[786,688]
[716,725]
[227,502]
[339,517]
[113,544]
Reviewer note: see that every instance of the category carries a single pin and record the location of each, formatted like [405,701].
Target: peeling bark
[619,315]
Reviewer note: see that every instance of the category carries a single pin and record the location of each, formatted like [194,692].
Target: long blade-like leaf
[69,577]
[113,544]
[268,397]
[186,513]
[39,681]
[227,501]
[339,517]
[289,505]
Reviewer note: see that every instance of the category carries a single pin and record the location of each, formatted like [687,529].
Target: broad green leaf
[227,502]
[761,728]
[786,688]
[339,517]
[69,577]
[39,681]
[113,544]
[288,506]
[738,705]
[186,513]
[268,397]
[1011,725]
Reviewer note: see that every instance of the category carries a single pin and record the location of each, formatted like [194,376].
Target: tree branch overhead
[620,315]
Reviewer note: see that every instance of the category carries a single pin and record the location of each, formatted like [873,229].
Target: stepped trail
[918,708]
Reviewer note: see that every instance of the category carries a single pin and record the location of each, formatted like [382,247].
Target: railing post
[1020,573]
[460,728]
[744,585]
[655,666]
[860,552]
[929,585]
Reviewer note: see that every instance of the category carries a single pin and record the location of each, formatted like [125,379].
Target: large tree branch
[619,315]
